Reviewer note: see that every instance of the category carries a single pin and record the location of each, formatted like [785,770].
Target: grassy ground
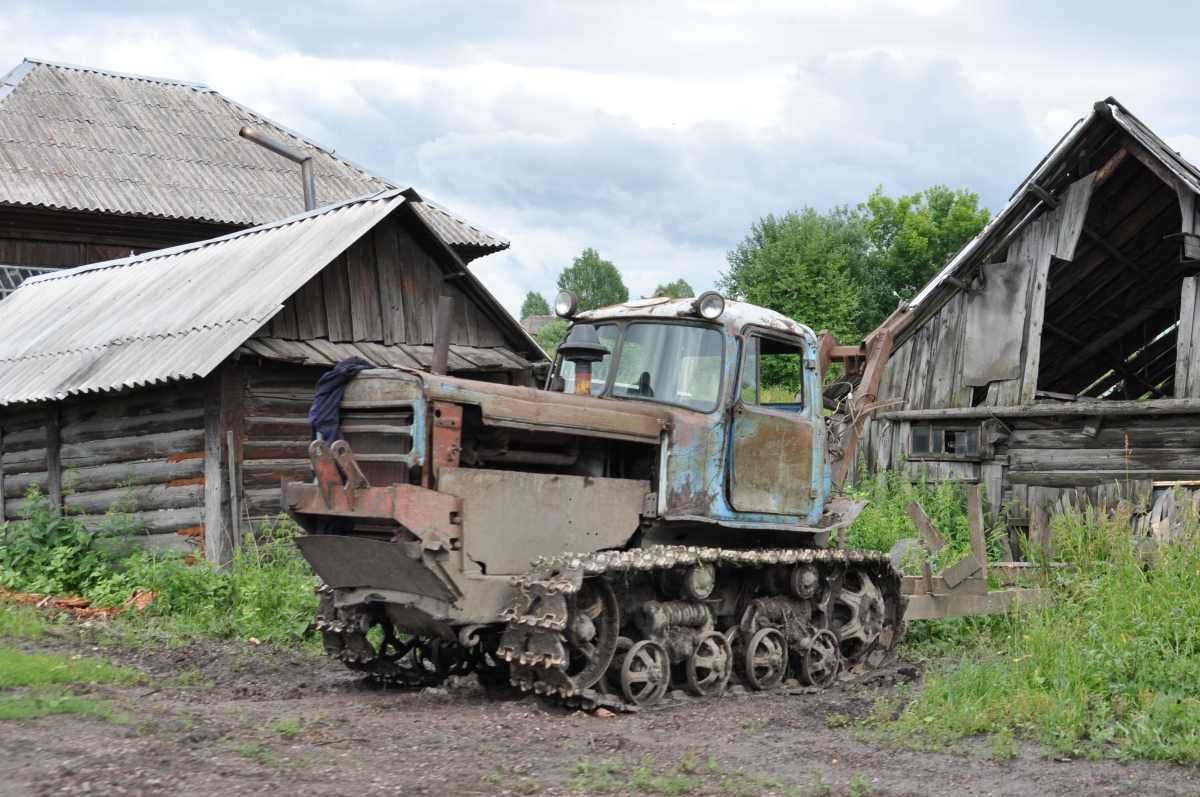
[1111,668]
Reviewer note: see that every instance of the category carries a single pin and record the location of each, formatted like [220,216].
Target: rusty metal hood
[516,407]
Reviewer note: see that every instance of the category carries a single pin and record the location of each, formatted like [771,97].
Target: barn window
[938,442]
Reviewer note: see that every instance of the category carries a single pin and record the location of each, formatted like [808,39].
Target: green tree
[595,281]
[804,264]
[550,336]
[534,304]
[679,289]
[913,237]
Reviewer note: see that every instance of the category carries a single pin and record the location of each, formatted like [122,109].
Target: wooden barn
[98,165]
[1056,358]
[177,383]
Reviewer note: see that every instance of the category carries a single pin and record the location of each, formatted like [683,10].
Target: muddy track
[255,720]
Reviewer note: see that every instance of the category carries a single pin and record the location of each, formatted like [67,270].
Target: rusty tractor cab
[659,513]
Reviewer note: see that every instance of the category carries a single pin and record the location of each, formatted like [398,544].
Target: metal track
[534,642]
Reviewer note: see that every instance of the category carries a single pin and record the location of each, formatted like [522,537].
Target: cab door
[771,468]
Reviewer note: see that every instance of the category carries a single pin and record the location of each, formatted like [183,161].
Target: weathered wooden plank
[917,390]
[1072,437]
[991,475]
[217,543]
[263,427]
[27,439]
[283,324]
[1036,318]
[130,449]
[366,315]
[264,501]
[944,353]
[138,499]
[391,289]
[275,449]
[1070,215]
[1091,478]
[335,286]
[386,356]
[133,426]
[159,526]
[54,452]
[411,286]
[933,538]
[106,477]
[278,405]
[311,320]
[269,473]
[1187,351]
[1025,460]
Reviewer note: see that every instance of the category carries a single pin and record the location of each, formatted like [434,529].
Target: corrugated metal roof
[172,314]
[84,139]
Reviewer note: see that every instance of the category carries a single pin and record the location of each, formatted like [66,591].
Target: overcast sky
[656,132]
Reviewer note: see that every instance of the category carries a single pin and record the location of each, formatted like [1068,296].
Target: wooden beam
[1050,200]
[1121,257]
[1116,333]
[1133,408]
[54,458]
[933,538]
[1108,169]
[217,548]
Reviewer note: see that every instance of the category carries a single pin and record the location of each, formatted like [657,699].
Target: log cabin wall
[142,451]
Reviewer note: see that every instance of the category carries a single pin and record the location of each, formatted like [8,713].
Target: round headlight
[710,304]
[566,303]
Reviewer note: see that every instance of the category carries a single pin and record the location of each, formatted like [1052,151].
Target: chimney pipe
[443,328]
[279,148]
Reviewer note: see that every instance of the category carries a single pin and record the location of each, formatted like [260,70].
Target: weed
[859,785]
[1107,669]
[685,776]
[528,786]
[289,728]
[757,724]
[819,787]
[22,621]
[1004,746]
[493,778]
[837,720]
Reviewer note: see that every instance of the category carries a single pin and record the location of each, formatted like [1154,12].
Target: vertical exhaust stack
[443,329]
[279,148]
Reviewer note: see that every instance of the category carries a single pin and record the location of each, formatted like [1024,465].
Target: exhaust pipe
[443,329]
[279,148]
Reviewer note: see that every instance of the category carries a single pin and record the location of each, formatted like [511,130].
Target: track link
[537,642]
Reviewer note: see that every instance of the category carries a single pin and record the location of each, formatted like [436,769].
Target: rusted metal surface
[511,518]
[446,445]
[772,462]
[431,516]
[519,407]
[357,562]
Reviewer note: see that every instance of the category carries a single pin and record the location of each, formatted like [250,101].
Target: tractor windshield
[672,363]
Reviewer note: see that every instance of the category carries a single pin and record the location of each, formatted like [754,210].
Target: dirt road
[256,721]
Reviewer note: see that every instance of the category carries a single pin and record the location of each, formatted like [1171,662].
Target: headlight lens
[565,304]
[710,304]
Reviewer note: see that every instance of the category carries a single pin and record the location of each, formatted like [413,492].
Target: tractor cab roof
[737,315]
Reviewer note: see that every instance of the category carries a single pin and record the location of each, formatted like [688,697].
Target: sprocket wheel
[858,615]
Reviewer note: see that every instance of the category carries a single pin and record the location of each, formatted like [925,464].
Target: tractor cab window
[672,363]
[566,370]
[773,373]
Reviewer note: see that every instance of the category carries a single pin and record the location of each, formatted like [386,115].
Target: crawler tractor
[661,514]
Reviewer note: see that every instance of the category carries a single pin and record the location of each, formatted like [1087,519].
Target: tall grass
[266,594]
[1111,668]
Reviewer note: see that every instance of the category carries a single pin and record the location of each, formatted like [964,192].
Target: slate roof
[76,138]
[177,313]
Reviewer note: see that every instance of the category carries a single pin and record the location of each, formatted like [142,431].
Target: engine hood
[515,407]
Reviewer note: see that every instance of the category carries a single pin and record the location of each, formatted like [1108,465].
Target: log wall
[142,450]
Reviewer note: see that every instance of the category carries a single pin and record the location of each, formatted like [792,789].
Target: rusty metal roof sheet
[84,139]
[172,314]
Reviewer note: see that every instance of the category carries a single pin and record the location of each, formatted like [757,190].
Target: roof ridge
[124,75]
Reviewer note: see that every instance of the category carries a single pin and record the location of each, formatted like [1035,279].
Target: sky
[655,132]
